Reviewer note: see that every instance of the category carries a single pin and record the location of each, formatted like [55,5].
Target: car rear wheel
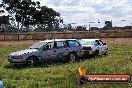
[72,57]
[65,59]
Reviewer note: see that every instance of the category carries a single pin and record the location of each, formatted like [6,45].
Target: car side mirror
[104,44]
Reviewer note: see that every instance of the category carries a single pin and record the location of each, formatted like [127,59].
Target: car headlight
[17,57]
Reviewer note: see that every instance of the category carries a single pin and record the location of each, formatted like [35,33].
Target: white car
[94,47]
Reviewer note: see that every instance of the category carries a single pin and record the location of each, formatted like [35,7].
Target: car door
[61,49]
[104,47]
[75,46]
[48,52]
[98,46]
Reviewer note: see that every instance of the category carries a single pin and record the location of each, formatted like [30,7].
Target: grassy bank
[60,75]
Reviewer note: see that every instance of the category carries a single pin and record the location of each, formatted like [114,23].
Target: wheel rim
[72,57]
[30,62]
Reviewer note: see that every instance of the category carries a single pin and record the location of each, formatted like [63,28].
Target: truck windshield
[38,45]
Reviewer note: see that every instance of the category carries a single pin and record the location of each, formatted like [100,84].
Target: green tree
[21,10]
[46,18]
[4,20]
[28,12]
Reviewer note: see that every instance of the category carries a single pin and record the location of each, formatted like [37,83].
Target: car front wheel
[32,61]
[106,53]
[96,53]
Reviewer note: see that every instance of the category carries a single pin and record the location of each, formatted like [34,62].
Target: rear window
[73,43]
[59,44]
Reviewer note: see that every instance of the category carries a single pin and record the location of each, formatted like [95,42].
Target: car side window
[73,43]
[49,46]
[59,44]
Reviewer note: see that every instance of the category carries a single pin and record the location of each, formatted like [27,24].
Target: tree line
[23,14]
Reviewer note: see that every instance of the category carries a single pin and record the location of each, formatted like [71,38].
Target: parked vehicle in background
[93,47]
[63,49]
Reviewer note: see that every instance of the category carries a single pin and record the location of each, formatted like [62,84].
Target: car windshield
[84,42]
[38,45]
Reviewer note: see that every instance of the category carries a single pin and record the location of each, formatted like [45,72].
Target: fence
[76,35]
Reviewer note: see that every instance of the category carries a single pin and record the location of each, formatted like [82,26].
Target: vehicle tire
[65,59]
[96,53]
[32,61]
[106,53]
[72,57]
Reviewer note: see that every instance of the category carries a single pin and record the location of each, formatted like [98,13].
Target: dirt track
[109,41]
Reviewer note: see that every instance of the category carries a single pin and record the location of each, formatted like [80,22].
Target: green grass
[60,75]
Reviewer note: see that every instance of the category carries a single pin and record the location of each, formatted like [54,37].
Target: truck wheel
[31,61]
[72,57]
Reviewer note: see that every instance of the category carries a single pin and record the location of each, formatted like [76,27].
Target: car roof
[56,40]
[89,39]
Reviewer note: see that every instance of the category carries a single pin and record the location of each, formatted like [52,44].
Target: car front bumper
[16,61]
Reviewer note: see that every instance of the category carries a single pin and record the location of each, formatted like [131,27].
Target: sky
[82,12]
